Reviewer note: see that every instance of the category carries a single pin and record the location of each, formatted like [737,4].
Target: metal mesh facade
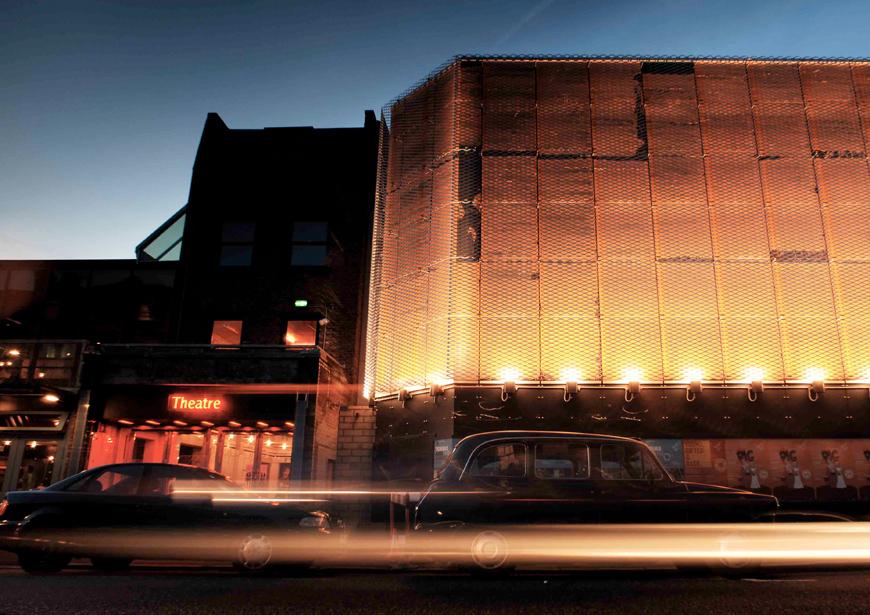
[605,220]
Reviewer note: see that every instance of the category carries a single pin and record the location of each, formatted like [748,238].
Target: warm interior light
[51,459]
[269,442]
[290,339]
[7,442]
[262,424]
[40,375]
[125,422]
[290,424]
[180,423]
[234,424]
[34,444]
[283,446]
[250,439]
[14,352]
[153,422]
[50,398]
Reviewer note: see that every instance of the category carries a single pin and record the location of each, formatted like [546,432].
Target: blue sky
[102,103]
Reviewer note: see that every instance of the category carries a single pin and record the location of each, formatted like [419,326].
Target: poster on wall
[823,469]
[705,462]
[670,453]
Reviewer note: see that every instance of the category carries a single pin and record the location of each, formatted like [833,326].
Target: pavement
[201,589]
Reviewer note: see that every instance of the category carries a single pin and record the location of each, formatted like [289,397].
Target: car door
[97,511]
[497,477]
[634,488]
[104,498]
[562,483]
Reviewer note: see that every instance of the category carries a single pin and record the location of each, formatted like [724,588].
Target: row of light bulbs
[632,377]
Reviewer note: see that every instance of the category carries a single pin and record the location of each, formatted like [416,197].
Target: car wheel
[254,553]
[38,562]
[733,561]
[110,564]
[489,551]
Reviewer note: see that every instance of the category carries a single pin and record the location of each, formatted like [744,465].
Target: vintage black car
[510,478]
[116,513]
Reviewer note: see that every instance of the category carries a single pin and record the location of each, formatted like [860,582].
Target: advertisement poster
[823,469]
[670,453]
[705,461]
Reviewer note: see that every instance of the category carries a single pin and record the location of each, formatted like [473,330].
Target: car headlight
[317,522]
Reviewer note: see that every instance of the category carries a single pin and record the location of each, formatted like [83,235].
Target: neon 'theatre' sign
[183,402]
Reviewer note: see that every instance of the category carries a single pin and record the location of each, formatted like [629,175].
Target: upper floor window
[237,244]
[309,244]
[301,333]
[226,333]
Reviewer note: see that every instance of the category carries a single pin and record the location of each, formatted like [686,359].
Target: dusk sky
[102,103]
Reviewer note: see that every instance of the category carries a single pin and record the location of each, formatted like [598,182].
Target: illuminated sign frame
[196,402]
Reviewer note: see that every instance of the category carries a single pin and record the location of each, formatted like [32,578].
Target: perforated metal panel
[580,219]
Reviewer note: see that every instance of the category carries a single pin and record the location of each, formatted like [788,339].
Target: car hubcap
[732,552]
[255,552]
[489,550]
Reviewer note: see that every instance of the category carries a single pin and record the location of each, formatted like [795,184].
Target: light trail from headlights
[724,546]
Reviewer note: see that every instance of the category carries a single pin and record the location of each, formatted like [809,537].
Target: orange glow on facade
[602,215]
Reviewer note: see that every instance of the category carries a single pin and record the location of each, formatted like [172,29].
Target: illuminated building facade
[671,249]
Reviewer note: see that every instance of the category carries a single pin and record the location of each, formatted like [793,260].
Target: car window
[118,480]
[166,480]
[562,460]
[625,461]
[160,480]
[500,460]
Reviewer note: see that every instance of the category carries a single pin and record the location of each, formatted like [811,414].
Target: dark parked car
[510,478]
[116,513]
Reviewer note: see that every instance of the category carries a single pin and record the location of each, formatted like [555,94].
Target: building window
[309,244]
[237,244]
[226,333]
[301,333]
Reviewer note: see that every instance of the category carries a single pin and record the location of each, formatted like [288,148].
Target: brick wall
[353,465]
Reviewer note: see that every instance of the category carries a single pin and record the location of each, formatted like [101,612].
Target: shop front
[244,432]
[40,416]
[32,442]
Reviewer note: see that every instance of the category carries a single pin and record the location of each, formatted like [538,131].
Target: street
[202,590]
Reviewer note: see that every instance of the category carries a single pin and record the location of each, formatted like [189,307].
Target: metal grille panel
[554,219]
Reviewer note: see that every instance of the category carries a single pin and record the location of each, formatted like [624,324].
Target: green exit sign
[301,303]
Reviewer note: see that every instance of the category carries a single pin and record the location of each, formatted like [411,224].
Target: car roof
[468,444]
[152,464]
[521,434]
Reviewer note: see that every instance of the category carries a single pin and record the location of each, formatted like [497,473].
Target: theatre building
[674,250]
[253,350]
